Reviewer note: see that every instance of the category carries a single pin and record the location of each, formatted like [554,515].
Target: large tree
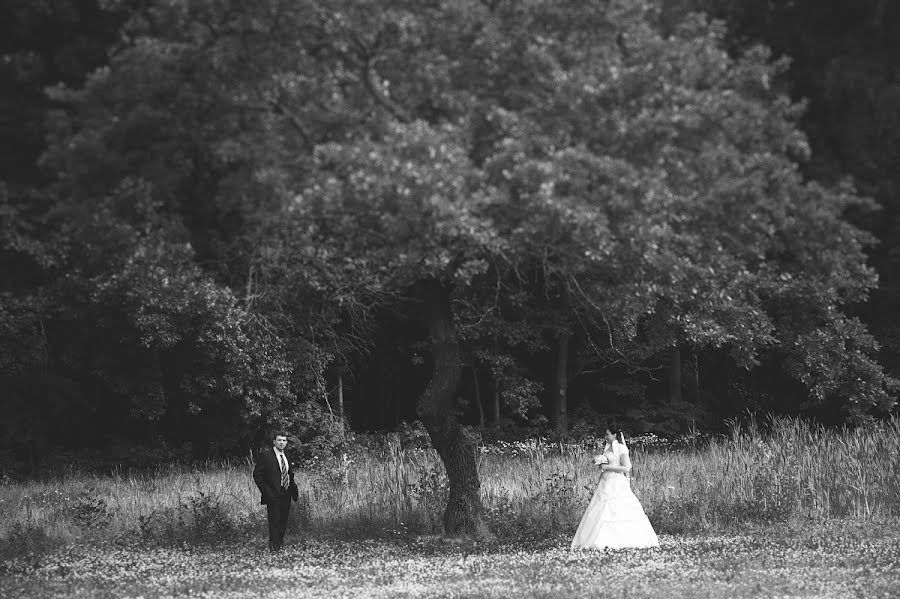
[563,163]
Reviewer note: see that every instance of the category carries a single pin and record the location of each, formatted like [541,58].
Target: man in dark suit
[274,476]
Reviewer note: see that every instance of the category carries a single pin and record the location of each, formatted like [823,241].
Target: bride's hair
[616,430]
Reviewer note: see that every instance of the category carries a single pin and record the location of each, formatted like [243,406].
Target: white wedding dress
[614,518]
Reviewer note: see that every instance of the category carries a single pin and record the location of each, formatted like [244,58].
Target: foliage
[841,66]
[240,196]
[199,519]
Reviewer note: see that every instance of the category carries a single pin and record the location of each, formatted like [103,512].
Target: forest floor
[832,560]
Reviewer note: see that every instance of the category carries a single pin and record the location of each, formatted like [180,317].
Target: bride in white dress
[614,518]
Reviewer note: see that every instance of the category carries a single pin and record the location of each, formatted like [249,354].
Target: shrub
[89,511]
[200,518]
[26,538]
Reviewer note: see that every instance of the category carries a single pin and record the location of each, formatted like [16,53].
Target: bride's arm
[624,467]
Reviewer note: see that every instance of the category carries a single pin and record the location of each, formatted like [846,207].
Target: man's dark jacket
[267,475]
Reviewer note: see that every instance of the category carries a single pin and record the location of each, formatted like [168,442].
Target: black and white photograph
[469,299]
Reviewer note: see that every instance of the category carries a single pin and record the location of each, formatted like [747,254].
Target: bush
[88,510]
[26,538]
[199,519]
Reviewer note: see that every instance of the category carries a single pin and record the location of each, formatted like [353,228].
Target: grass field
[839,560]
[785,510]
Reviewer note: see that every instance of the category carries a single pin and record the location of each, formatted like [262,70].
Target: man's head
[279,440]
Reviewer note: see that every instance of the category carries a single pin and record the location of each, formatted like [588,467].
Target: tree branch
[372,82]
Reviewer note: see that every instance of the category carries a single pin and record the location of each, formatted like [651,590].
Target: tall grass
[787,469]
[777,471]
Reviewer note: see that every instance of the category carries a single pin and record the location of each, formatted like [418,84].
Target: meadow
[781,509]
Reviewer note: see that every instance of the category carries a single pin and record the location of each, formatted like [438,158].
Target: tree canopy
[248,199]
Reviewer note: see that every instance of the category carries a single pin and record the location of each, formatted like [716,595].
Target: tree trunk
[560,410]
[560,415]
[693,379]
[478,404]
[436,408]
[386,393]
[340,401]
[495,398]
[495,387]
[675,375]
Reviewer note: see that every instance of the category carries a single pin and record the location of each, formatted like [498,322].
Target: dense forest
[517,218]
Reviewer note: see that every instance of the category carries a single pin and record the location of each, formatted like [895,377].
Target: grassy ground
[837,560]
[785,510]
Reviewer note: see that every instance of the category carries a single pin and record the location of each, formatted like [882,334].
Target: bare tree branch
[373,83]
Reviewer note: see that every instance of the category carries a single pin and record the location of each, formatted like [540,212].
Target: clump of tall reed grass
[775,471]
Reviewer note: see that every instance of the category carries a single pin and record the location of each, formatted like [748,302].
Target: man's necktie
[284,470]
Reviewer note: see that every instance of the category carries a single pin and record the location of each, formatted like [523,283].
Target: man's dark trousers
[277,510]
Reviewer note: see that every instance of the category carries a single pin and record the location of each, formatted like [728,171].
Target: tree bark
[478,404]
[464,515]
[560,409]
[692,383]
[674,375]
[340,397]
[561,376]
[495,387]
[340,401]
[495,398]
[386,391]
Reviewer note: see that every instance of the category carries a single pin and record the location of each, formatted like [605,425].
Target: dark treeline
[219,217]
